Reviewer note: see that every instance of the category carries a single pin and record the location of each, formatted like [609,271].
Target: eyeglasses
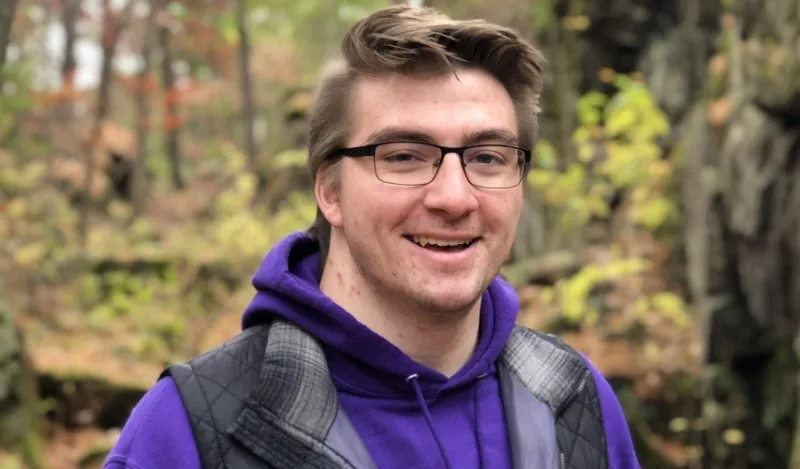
[417,164]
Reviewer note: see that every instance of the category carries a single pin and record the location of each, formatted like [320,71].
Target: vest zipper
[563,461]
[582,384]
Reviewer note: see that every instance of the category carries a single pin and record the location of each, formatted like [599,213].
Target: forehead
[448,108]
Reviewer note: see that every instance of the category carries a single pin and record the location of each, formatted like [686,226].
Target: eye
[405,153]
[402,157]
[487,157]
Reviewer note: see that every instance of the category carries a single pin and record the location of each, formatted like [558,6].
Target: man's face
[375,224]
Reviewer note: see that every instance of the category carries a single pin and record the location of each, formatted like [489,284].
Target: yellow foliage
[621,121]
[11,461]
[299,212]
[653,213]
[291,157]
[733,436]
[616,148]
[626,126]
[29,255]
[120,210]
[576,22]
[586,152]
[672,307]
[679,424]
[572,295]
[235,160]
[545,155]
[540,179]
[33,173]
[16,208]
[651,351]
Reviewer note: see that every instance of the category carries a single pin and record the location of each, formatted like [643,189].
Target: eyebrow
[390,134]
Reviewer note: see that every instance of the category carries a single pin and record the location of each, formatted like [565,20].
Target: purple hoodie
[428,421]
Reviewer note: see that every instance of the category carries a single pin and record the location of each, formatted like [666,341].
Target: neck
[443,344]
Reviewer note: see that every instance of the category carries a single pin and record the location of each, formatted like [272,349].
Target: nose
[450,191]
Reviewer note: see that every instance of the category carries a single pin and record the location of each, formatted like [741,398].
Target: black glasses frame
[370,149]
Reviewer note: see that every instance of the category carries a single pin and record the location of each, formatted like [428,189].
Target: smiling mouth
[443,245]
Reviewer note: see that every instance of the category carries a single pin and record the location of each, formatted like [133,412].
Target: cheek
[502,218]
[504,211]
[373,211]
[390,208]
[514,215]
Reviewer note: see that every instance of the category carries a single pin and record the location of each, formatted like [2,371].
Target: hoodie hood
[287,285]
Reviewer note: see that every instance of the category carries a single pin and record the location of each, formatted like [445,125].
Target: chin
[449,301]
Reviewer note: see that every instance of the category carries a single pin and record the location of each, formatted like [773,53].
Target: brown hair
[417,41]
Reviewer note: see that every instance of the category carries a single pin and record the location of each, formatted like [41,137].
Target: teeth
[424,241]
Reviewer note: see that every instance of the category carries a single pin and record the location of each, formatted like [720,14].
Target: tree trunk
[113,25]
[7,11]
[139,180]
[248,104]
[69,20]
[171,118]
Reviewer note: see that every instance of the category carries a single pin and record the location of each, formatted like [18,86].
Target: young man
[383,338]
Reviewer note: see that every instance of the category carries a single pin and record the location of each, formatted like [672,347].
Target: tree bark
[143,123]
[69,20]
[741,202]
[113,25]
[171,118]
[248,103]
[7,11]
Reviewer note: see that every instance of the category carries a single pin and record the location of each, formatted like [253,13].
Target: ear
[326,191]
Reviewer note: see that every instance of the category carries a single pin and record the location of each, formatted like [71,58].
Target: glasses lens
[494,166]
[406,163]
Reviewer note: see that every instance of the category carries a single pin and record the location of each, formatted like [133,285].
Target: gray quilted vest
[265,399]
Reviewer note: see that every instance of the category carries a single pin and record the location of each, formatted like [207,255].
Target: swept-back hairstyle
[424,42]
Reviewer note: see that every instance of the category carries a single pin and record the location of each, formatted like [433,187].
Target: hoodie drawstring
[478,425]
[414,380]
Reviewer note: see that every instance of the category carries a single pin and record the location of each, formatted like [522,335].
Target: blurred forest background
[151,152]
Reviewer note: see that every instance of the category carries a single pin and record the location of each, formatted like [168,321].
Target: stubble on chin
[399,284]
